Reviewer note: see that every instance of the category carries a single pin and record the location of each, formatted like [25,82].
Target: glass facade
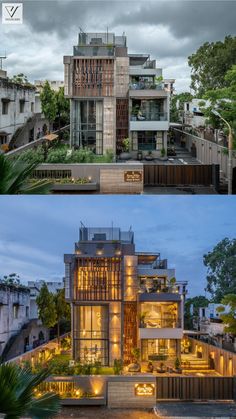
[158,349]
[88,125]
[91,325]
[158,315]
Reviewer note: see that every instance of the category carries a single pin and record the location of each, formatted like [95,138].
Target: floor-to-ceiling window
[91,330]
[88,125]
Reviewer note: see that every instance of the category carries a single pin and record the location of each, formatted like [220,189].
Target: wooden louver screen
[93,77]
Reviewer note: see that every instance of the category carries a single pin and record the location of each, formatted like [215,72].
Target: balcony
[149,121]
[161,333]
[160,323]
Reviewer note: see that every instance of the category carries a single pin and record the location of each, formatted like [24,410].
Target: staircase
[191,362]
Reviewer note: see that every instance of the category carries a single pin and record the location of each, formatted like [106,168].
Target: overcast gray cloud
[169,30]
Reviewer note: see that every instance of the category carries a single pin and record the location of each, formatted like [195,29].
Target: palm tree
[17,394]
[14,178]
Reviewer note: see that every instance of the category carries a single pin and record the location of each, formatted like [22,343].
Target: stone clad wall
[109,176]
[113,182]
[121,393]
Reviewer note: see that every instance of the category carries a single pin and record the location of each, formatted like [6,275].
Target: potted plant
[149,156]
[161,368]
[178,368]
[125,155]
[134,113]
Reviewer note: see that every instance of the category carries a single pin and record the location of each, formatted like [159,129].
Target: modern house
[122,299]
[115,95]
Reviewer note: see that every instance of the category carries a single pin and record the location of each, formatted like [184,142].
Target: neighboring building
[193,114]
[54,84]
[35,287]
[169,86]
[18,333]
[14,311]
[115,95]
[209,319]
[122,299]
[19,119]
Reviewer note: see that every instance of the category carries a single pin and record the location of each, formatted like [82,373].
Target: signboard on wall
[133,176]
[144,390]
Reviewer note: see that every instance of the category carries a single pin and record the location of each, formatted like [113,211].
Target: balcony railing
[160,323]
[155,288]
[144,85]
[152,115]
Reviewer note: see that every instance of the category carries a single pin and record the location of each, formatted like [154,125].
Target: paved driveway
[197,410]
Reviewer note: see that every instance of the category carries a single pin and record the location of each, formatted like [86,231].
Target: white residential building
[193,114]
[20,113]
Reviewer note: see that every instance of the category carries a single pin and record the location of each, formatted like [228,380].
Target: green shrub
[87,369]
[83,155]
[118,366]
[57,156]
[97,367]
[32,155]
[109,156]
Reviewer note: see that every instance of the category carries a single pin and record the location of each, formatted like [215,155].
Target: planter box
[74,187]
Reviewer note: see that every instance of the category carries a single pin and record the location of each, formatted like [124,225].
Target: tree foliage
[177,105]
[52,308]
[46,307]
[11,279]
[210,63]
[48,102]
[17,394]
[229,319]
[224,100]
[54,105]
[221,269]
[195,303]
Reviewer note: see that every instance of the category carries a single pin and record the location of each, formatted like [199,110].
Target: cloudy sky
[170,30]
[36,231]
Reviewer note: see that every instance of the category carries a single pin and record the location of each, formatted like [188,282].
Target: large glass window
[159,315]
[88,124]
[148,140]
[91,333]
[158,349]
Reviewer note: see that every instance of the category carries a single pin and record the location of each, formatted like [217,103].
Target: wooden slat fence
[166,175]
[195,388]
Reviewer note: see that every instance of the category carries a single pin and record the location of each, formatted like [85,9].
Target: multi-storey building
[19,331]
[20,114]
[115,95]
[122,299]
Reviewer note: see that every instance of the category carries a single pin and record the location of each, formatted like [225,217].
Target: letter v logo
[11,10]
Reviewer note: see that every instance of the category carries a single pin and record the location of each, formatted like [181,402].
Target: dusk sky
[170,30]
[36,231]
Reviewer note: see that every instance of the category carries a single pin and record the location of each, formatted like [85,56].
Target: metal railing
[144,85]
[152,115]
[160,322]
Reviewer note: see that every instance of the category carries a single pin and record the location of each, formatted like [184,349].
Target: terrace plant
[136,354]
[118,366]
[17,397]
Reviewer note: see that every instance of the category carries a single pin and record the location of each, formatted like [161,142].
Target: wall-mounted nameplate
[144,389]
[133,176]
